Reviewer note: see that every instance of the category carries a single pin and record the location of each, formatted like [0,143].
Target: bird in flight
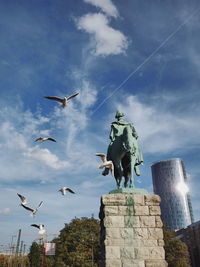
[23,199]
[106,163]
[33,211]
[40,227]
[63,101]
[64,189]
[42,139]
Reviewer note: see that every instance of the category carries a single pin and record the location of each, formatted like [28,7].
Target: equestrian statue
[124,152]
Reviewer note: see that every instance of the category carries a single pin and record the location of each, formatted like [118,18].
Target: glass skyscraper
[170,183]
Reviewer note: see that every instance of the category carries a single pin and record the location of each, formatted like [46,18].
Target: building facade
[170,183]
[191,236]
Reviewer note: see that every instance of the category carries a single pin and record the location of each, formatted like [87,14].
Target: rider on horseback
[123,134]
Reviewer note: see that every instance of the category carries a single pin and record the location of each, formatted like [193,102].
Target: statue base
[131,230]
[129,190]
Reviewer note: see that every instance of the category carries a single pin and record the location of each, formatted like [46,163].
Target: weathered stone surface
[147,221]
[126,233]
[131,233]
[158,222]
[141,210]
[141,253]
[114,221]
[132,263]
[156,253]
[114,242]
[152,200]
[138,199]
[127,253]
[112,233]
[111,210]
[140,233]
[112,252]
[155,263]
[154,210]
[126,210]
[114,199]
[155,233]
[131,221]
[113,263]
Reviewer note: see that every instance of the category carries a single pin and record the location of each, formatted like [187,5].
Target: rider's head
[119,115]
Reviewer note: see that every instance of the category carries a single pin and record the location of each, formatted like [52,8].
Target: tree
[78,244]
[176,251]
[35,255]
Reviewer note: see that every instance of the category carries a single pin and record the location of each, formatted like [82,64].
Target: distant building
[170,183]
[191,236]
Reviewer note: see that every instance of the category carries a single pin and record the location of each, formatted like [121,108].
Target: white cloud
[108,41]
[106,6]
[5,211]
[160,129]
[43,155]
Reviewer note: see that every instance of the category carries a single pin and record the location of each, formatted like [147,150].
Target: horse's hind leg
[118,172]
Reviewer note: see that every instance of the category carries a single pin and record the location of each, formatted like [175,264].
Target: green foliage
[35,255]
[176,251]
[7,261]
[78,244]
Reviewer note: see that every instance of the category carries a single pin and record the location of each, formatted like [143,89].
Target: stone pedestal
[131,231]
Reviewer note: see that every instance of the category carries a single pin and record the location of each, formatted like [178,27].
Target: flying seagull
[106,163]
[64,189]
[33,211]
[40,227]
[63,101]
[42,139]
[23,199]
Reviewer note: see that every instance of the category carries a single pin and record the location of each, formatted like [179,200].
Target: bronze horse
[124,153]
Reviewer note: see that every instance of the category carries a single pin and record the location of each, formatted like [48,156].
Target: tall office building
[170,183]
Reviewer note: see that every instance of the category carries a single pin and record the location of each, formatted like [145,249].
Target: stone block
[113,233]
[112,252]
[157,253]
[138,199]
[126,210]
[147,221]
[114,221]
[114,242]
[152,200]
[159,222]
[113,263]
[149,243]
[127,253]
[131,221]
[155,233]
[141,253]
[132,263]
[111,210]
[154,210]
[126,233]
[114,200]
[140,233]
[156,263]
[141,210]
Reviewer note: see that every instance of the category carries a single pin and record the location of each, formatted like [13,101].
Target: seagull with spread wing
[106,163]
[42,139]
[64,189]
[23,199]
[63,101]
[33,211]
[40,227]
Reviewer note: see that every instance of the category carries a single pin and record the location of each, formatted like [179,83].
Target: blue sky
[142,57]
